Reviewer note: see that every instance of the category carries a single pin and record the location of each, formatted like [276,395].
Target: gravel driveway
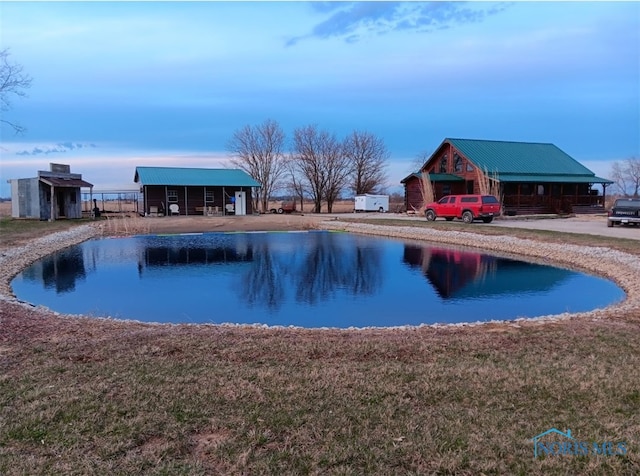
[585,224]
[590,225]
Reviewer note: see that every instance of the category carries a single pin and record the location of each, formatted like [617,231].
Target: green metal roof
[552,178]
[436,177]
[519,157]
[194,177]
[445,178]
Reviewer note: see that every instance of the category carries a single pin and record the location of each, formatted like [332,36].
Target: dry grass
[15,232]
[487,184]
[426,191]
[5,209]
[126,225]
[89,396]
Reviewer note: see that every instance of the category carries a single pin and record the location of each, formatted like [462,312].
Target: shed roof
[194,177]
[65,182]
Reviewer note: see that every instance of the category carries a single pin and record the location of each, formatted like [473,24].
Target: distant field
[128,206]
[5,209]
[341,206]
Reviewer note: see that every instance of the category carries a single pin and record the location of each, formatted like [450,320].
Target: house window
[469,167]
[540,189]
[72,196]
[172,196]
[457,163]
[443,164]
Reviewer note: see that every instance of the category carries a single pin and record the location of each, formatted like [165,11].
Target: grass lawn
[83,396]
[14,232]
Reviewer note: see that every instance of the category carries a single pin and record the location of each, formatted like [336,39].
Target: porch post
[52,204]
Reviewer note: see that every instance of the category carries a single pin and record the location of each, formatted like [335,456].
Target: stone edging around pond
[623,268]
[15,259]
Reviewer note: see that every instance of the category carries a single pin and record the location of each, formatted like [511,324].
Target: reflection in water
[463,274]
[316,267]
[154,256]
[265,282]
[329,266]
[59,271]
[310,279]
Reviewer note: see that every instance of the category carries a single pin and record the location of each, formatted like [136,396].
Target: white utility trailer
[371,203]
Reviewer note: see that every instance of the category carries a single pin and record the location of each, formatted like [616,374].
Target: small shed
[53,194]
[195,191]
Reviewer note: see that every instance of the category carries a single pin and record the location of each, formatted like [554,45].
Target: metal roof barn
[195,191]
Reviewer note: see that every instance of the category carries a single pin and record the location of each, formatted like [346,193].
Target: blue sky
[121,84]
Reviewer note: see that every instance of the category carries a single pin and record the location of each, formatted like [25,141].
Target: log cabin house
[528,178]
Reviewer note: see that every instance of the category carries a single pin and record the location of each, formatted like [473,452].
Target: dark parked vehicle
[625,211]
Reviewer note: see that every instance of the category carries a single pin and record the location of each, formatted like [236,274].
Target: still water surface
[310,279]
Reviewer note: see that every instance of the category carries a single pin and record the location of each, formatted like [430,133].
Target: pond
[308,279]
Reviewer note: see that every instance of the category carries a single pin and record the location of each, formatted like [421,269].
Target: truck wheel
[487,219]
[467,217]
[610,223]
[280,211]
[430,215]
[380,210]
[273,210]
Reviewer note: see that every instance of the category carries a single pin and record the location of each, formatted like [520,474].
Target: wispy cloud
[61,147]
[353,21]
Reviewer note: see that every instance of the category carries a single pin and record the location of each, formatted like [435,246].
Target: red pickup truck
[466,207]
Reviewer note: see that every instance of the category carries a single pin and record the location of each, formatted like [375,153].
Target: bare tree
[319,160]
[368,155]
[626,176]
[337,169]
[419,161]
[259,152]
[309,161]
[295,181]
[13,82]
